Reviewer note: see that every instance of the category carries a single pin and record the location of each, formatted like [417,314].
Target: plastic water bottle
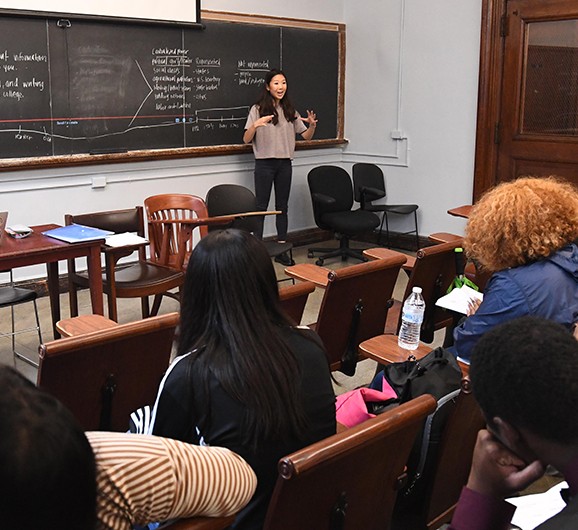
[411,319]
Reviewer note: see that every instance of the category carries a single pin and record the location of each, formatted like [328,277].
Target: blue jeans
[271,172]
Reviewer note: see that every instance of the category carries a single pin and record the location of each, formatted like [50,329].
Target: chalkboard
[78,91]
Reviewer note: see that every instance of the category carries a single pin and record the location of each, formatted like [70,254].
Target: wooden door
[538,127]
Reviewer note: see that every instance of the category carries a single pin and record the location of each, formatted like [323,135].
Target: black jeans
[271,172]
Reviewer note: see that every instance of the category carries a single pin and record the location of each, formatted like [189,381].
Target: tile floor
[129,310]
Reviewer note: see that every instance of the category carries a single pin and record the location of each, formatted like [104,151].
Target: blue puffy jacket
[546,288]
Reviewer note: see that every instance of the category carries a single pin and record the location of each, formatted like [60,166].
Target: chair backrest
[294,298]
[449,470]
[166,239]
[225,199]
[367,176]
[454,457]
[118,221]
[355,305]
[434,271]
[334,182]
[350,479]
[105,375]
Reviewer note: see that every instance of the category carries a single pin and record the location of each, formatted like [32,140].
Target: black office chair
[369,185]
[332,197]
[227,199]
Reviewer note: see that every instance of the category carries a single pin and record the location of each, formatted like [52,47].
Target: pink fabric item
[351,408]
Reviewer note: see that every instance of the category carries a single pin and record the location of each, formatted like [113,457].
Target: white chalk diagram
[215,115]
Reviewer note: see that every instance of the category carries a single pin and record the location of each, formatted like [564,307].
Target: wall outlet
[99,182]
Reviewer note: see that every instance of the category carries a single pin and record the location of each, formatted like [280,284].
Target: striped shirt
[143,479]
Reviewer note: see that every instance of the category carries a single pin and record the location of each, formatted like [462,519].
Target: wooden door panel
[539,96]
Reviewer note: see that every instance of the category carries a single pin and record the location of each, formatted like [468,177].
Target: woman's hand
[311,118]
[262,121]
[473,304]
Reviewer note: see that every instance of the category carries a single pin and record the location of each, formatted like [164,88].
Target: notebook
[77,233]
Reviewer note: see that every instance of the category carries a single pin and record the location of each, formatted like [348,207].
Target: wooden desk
[461,211]
[36,249]
[384,253]
[384,349]
[307,272]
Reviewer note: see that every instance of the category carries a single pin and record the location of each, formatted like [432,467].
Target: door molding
[489,96]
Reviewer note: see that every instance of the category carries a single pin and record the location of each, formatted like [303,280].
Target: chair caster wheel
[309,254]
[319,262]
[343,258]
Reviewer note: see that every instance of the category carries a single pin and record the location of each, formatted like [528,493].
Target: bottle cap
[416,290]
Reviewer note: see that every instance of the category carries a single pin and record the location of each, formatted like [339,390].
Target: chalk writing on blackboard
[94,87]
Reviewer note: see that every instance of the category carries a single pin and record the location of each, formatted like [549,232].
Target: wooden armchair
[294,298]
[450,470]
[354,306]
[105,375]
[171,219]
[349,480]
[434,270]
[139,279]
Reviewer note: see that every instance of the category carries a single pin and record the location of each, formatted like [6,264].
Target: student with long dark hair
[245,378]
[271,127]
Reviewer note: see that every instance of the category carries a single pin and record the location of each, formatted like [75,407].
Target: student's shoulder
[303,337]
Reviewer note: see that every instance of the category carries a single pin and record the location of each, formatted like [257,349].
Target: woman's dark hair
[266,102]
[47,468]
[231,316]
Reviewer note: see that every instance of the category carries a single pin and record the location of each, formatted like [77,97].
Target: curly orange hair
[521,221]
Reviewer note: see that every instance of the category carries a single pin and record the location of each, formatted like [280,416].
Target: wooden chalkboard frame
[191,152]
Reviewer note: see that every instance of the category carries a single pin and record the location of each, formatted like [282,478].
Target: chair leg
[156,305]
[387,244]
[112,309]
[13,335]
[416,232]
[37,323]
[18,355]
[344,251]
[381,228]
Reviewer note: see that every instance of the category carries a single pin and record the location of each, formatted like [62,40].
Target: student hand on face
[497,471]
[311,118]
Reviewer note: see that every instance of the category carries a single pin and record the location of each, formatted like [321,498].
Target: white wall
[411,66]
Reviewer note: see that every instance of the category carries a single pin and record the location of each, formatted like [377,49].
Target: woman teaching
[271,127]
[244,378]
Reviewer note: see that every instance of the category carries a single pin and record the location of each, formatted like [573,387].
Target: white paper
[125,239]
[458,299]
[533,510]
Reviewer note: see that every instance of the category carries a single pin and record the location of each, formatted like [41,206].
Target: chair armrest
[323,200]
[371,194]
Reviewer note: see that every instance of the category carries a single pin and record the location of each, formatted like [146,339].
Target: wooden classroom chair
[294,298]
[105,375]
[434,270]
[450,469]
[139,279]
[354,306]
[347,481]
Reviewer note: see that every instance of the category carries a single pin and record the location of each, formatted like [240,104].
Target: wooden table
[37,248]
